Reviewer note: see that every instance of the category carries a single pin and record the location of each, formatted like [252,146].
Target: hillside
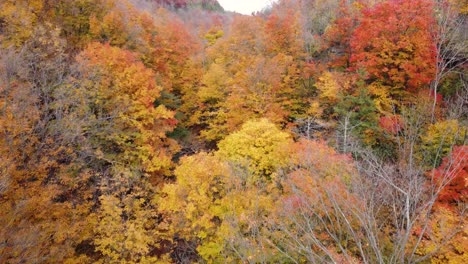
[212,5]
[157,131]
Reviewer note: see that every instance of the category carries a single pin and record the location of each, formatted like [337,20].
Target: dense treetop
[171,131]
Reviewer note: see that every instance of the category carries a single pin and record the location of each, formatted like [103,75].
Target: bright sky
[244,6]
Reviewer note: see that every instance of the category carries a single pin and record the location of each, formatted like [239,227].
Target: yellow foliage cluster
[259,147]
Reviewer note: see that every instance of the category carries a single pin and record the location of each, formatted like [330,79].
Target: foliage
[193,203]
[391,124]
[361,112]
[123,119]
[121,232]
[213,35]
[450,229]
[259,147]
[135,131]
[394,45]
[328,87]
[440,138]
[451,177]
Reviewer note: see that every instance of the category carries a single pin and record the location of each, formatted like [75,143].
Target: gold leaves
[259,147]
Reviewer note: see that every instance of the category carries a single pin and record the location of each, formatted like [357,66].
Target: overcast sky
[244,6]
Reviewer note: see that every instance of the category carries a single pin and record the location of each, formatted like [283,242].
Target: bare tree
[451,37]
[372,217]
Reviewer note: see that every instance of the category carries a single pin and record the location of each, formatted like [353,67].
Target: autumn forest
[173,131]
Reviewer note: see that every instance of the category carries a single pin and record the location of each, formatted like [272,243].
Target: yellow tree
[262,77]
[219,200]
[234,58]
[256,153]
[439,140]
[259,148]
[46,193]
[193,203]
[124,125]
[20,18]
[110,104]
[126,225]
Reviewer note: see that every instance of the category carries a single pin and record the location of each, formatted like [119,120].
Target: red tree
[394,44]
[452,176]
